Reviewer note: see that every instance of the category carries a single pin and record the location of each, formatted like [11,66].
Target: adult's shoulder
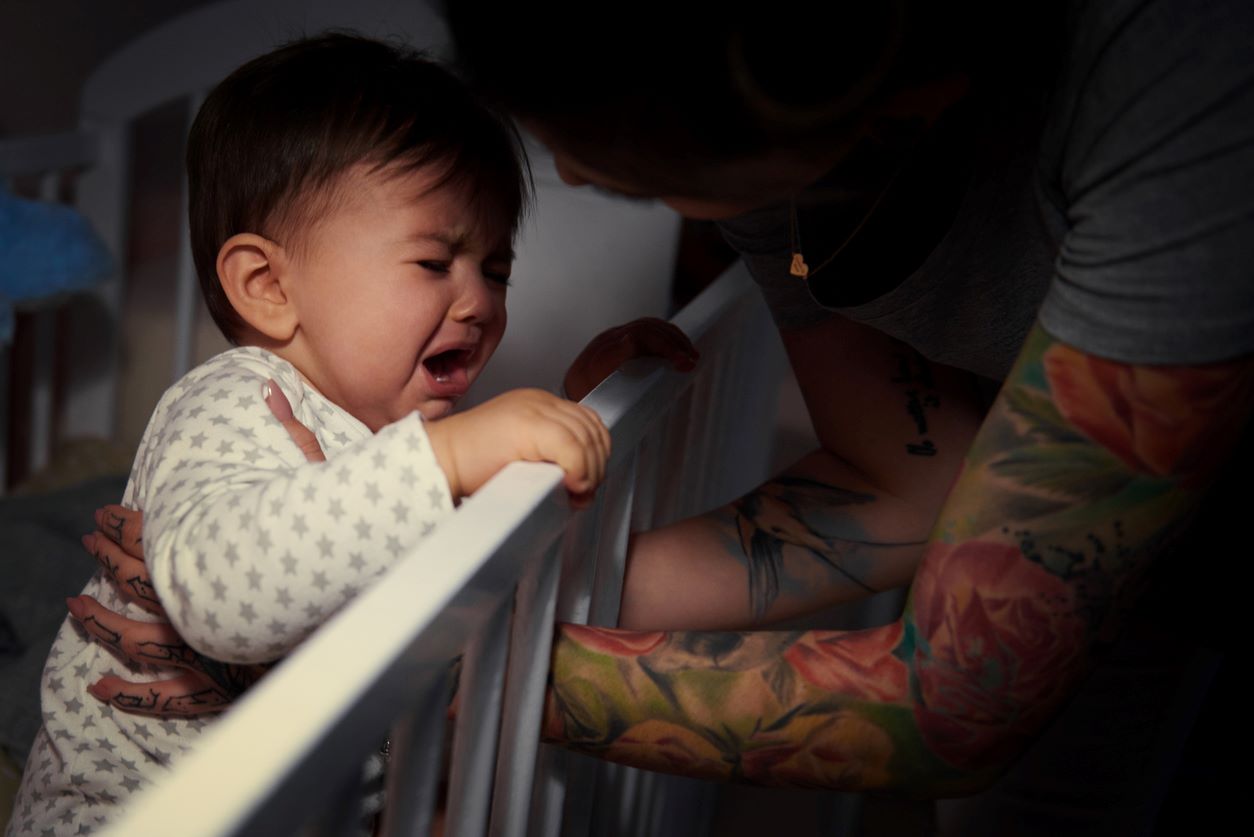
[1148,154]
[1137,74]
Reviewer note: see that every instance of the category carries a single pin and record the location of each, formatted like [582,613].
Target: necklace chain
[798,266]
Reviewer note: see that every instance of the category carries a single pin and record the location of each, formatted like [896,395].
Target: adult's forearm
[815,536]
[849,520]
[1084,473]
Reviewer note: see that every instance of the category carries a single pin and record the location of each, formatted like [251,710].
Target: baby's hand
[647,337]
[525,424]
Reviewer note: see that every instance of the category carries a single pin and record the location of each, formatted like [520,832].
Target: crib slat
[611,547]
[629,799]
[342,816]
[577,552]
[478,722]
[593,556]
[747,426]
[532,637]
[4,417]
[45,328]
[549,792]
[413,771]
[186,290]
[104,198]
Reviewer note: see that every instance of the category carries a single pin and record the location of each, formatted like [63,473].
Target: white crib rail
[287,758]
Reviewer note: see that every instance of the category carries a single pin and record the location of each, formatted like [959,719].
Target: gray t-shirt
[1124,220]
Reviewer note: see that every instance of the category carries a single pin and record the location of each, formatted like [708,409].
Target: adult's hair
[651,87]
[271,140]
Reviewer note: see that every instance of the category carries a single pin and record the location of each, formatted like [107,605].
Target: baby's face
[401,300]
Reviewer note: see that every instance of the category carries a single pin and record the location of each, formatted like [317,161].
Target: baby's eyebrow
[453,242]
[459,242]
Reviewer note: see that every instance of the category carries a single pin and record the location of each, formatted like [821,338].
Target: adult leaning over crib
[1060,214]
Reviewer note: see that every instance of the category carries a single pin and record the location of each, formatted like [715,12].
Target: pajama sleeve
[250,547]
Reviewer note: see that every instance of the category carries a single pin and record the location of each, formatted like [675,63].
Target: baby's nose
[475,302]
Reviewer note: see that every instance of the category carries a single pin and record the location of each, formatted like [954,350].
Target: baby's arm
[524,424]
[251,547]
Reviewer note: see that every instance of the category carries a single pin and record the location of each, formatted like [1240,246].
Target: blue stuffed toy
[45,250]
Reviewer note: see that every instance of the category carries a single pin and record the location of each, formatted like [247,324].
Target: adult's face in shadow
[716,113]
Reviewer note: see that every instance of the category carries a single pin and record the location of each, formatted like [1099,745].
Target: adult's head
[728,106]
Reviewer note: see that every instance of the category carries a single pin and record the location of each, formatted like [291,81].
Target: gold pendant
[798,266]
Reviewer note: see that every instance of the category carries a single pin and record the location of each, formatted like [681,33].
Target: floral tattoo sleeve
[1084,471]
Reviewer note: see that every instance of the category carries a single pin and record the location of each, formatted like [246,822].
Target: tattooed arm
[846,521]
[1083,473]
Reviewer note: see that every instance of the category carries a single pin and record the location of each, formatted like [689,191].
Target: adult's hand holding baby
[118,545]
[207,685]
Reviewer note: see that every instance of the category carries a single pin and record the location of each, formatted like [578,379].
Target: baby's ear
[252,270]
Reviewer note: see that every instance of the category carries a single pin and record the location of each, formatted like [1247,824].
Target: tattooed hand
[118,544]
[119,547]
[208,685]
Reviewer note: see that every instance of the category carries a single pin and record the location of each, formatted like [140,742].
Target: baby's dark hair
[271,140]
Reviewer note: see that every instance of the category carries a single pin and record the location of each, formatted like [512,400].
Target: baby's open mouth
[448,367]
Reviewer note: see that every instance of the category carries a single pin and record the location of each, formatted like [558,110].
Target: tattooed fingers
[124,527]
[140,642]
[187,695]
[128,573]
[208,685]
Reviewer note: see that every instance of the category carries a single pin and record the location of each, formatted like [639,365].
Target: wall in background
[48,47]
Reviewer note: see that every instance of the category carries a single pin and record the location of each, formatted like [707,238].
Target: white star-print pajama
[250,549]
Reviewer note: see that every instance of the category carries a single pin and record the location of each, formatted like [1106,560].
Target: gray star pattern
[213,448]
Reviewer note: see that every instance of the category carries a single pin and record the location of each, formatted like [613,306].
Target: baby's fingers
[187,695]
[563,438]
[600,436]
[595,441]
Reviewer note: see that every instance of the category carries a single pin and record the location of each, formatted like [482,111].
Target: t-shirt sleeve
[251,547]
[1154,137]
